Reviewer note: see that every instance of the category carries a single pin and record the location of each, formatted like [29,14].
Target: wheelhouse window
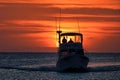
[75,39]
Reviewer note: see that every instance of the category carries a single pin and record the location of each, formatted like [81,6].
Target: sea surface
[41,66]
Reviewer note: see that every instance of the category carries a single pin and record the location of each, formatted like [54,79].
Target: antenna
[60,19]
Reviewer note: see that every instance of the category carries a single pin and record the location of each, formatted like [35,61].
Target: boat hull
[74,62]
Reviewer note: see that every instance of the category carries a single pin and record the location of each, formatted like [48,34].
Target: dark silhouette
[64,40]
[70,41]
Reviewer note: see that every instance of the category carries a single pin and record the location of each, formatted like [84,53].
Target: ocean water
[41,66]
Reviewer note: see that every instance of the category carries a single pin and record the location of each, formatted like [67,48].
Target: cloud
[17,11]
[12,28]
[64,2]
[104,32]
[92,11]
[108,30]
[25,11]
[111,28]
[23,30]
[91,19]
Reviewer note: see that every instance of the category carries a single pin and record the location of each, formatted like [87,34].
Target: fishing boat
[71,56]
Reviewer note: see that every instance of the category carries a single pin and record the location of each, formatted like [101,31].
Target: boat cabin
[71,43]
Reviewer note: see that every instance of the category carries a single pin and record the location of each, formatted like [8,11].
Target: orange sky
[22,24]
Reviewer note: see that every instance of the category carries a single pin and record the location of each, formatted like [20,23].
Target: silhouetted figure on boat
[64,40]
[70,41]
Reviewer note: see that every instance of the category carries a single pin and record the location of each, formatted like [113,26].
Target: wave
[104,68]
[53,68]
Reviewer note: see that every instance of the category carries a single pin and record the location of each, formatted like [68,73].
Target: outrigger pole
[59,31]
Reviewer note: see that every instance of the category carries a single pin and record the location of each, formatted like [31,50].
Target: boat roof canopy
[70,34]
